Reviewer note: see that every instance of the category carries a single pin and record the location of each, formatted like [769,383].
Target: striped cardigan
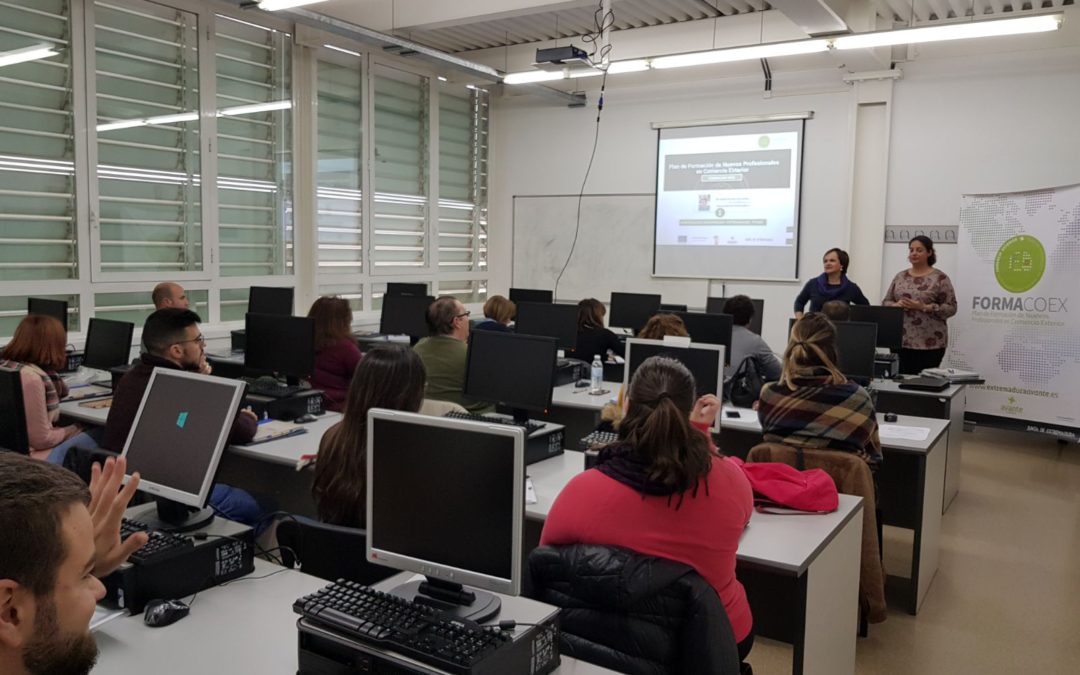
[818,415]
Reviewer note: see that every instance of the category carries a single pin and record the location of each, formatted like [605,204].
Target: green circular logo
[1020,263]
[763,142]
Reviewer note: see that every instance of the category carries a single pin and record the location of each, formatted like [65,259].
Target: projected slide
[723,194]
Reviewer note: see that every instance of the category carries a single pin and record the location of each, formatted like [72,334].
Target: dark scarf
[832,292]
[619,462]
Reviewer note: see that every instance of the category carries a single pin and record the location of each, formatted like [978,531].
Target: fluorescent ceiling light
[632,66]
[954,31]
[255,108]
[584,72]
[529,76]
[31,53]
[741,53]
[275,5]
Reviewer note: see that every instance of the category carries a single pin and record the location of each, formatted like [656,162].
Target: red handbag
[782,485]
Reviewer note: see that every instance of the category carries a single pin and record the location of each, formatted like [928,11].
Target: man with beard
[58,538]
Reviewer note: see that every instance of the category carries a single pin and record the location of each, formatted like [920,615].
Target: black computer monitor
[702,360]
[108,343]
[856,344]
[517,371]
[176,441]
[460,520]
[668,307]
[632,310]
[716,306]
[400,288]
[531,295]
[284,345]
[57,309]
[889,320]
[713,329]
[270,300]
[549,319]
[405,315]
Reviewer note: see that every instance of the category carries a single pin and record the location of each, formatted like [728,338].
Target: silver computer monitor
[177,438]
[704,361]
[446,499]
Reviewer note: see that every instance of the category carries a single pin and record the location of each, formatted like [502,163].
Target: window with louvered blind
[338,165]
[463,116]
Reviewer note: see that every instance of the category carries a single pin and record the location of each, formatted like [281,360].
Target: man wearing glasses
[173,340]
[444,353]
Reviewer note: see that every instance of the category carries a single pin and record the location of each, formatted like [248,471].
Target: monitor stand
[176,517]
[451,598]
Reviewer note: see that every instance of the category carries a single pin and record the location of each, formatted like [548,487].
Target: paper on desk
[103,615]
[902,432]
[80,391]
[273,429]
[530,491]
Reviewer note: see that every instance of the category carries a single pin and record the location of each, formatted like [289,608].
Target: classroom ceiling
[547,21]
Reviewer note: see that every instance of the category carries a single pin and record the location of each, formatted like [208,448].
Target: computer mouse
[160,613]
[890,417]
[305,419]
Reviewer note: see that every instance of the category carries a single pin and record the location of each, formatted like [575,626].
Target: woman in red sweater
[336,353]
[663,490]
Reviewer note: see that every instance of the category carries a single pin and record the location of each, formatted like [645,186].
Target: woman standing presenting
[832,284]
[928,298]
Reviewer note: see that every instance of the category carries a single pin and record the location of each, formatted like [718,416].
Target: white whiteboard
[613,253]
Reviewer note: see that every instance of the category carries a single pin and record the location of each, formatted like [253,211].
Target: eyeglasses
[198,338]
[465,313]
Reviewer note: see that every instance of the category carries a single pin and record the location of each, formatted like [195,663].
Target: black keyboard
[272,390]
[160,546]
[529,427]
[597,439]
[392,623]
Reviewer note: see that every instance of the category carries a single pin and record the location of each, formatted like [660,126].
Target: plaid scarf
[55,388]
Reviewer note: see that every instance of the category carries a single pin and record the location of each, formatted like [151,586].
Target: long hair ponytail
[812,346]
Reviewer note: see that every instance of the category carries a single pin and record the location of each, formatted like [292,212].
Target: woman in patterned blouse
[928,298]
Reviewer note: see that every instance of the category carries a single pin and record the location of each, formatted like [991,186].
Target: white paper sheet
[905,433]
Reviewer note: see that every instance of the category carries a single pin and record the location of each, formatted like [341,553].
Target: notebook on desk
[97,403]
[271,430]
[81,392]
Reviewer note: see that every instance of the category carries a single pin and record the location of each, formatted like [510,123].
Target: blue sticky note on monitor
[181,419]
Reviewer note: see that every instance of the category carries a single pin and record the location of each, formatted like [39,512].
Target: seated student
[390,376]
[593,337]
[444,353]
[837,310]
[169,294]
[59,538]
[814,405]
[498,313]
[336,353]
[660,325]
[746,344]
[662,490]
[173,341]
[37,351]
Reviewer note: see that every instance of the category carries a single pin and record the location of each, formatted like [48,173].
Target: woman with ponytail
[663,490]
[814,405]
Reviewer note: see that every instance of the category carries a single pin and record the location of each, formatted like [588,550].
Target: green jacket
[444,360]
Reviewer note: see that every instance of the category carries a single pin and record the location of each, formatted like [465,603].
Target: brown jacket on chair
[852,477]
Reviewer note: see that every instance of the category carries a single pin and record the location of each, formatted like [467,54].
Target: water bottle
[597,375]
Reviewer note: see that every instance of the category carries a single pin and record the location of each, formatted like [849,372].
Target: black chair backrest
[329,552]
[13,434]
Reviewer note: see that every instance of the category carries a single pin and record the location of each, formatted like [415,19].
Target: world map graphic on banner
[1018,296]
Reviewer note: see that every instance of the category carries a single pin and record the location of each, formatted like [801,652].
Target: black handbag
[746,384]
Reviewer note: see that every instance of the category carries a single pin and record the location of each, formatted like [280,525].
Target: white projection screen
[727,201]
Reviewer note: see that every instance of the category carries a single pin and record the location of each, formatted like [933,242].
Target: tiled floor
[1006,598]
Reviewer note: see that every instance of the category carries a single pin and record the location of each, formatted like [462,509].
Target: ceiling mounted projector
[557,58]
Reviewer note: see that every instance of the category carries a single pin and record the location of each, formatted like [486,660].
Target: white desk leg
[956,434]
[928,539]
[832,604]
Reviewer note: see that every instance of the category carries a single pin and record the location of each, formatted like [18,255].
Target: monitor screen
[179,433]
[704,361]
[632,310]
[57,309]
[270,300]
[856,344]
[446,498]
[548,319]
[716,306]
[712,329]
[405,315]
[668,307]
[108,343]
[280,344]
[515,370]
[889,320]
[399,288]
[531,295]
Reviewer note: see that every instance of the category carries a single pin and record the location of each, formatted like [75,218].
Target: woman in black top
[833,284]
[593,338]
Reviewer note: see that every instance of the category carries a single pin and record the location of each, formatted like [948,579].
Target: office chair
[329,552]
[634,613]
[13,434]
